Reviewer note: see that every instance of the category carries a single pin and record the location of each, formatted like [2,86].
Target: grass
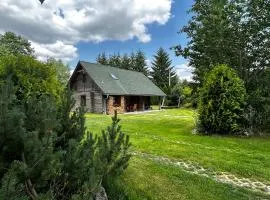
[169,134]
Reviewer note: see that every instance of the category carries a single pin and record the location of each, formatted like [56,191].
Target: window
[83,100]
[116,100]
[84,78]
[114,77]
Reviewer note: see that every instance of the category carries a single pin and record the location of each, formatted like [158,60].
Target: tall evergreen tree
[136,61]
[140,63]
[125,62]
[163,73]
[115,60]
[132,61]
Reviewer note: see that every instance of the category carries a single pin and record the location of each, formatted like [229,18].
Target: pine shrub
[46,152]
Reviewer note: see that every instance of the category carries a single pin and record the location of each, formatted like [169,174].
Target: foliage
[257,113]
[233,33]
[222,101]
[27,146]
[115,60]
[11,187]
[11,123]
[126,62]
[10,43]
[102,59]
[62,70]
[165,77]
[182,93]
[140,63]
[162,69]
[30,76]
[46,152]
[113,149]
[136,62]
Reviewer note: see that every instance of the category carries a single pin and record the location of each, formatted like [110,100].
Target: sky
[74,30]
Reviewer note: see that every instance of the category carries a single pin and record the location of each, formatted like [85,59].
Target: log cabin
[104,89]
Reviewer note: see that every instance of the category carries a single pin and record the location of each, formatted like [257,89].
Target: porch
[123,104]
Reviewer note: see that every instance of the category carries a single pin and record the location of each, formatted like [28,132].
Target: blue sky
[73,30]
[164,36]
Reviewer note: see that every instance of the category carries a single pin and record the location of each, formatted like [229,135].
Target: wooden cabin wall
[94,97]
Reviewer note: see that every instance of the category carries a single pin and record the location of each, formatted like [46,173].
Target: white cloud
[149,64]
[63,23]
[57,50]
[184,71]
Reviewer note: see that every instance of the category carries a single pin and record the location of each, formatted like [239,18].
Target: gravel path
[223,177]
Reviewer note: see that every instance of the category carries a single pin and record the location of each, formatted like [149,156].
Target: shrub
[30,76]
[222,101]
[46,153]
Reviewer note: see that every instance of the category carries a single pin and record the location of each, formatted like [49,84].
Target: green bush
[222,100]
[30,76]
[46,152]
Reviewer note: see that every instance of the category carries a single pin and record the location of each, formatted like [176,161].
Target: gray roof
[116,81]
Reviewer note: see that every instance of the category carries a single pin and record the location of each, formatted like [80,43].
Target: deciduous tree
[11,43]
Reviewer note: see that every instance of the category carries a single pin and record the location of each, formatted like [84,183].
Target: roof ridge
[112,67]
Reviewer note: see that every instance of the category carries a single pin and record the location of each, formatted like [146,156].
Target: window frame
[83,100]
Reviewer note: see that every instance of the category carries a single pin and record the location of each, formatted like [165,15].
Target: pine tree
[12,127]
[115,60]
[113,148]
[132,61]
[162,69]
[140,63]
[46,153]
[125,62]
[102,59]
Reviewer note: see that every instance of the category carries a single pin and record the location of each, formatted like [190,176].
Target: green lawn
[167,135]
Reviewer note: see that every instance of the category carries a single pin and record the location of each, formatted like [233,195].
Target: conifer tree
[125,62]
[140,63]
[115,60]
[132,61]
[162,69]
[113,149]
[222,102]
[46,153]
[102,59]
